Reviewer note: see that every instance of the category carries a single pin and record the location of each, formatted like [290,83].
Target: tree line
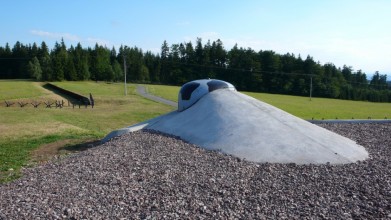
[176,64]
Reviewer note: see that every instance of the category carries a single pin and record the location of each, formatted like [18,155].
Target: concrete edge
[142,125]
[358,121]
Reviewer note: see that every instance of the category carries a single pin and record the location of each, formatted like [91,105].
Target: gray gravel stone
[147,175]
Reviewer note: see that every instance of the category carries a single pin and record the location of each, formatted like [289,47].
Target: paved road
[142,91]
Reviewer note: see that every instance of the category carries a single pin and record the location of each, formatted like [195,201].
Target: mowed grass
[15,89]
[323,108]
[24,130]
[167,92]
[303,107]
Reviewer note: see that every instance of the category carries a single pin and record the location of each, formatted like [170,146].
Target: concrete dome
[193,91]
[234,123]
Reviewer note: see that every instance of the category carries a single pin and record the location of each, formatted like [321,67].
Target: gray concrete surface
[237,124]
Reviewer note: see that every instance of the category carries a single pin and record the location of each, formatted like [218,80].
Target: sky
[355,33]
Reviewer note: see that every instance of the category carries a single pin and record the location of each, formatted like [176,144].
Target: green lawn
[319,108]
[303,107]
[12,89]
[167,92]
[26,129]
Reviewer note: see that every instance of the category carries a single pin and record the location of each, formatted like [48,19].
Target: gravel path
[147,175]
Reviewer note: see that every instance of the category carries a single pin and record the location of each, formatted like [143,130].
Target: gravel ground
[147,175]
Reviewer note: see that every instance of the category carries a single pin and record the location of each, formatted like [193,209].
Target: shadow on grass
[74,148]
[48,152]
[73,98]
[59,148]
[60,93]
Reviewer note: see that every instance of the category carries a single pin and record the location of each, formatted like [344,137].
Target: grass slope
[26,130]
[12,89]
[23,130]
[319,108]
[303,107]
[167,92]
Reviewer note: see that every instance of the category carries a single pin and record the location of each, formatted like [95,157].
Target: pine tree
[165,50]
[165,65]
[34,69]
[118,73]
[46,66]
[59,60]
[70,70]
[100,64]
[80,59]
[379,81]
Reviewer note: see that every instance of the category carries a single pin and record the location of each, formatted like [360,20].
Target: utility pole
[125,74]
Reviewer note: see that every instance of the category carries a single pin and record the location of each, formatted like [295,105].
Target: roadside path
[142,91]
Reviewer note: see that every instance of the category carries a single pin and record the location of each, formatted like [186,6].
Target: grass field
[303,107]
[24,130]
[18,90]
[323,108]
[167,92]
[29,134]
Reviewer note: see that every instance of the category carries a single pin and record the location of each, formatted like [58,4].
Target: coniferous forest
[248,70]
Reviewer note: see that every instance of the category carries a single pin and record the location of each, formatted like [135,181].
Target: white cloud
[209,35]
[254,44]
[98,41]
[53,35]
[154,50]
[205,36]
[71,37]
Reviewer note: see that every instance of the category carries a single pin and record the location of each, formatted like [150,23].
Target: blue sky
[352,32]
